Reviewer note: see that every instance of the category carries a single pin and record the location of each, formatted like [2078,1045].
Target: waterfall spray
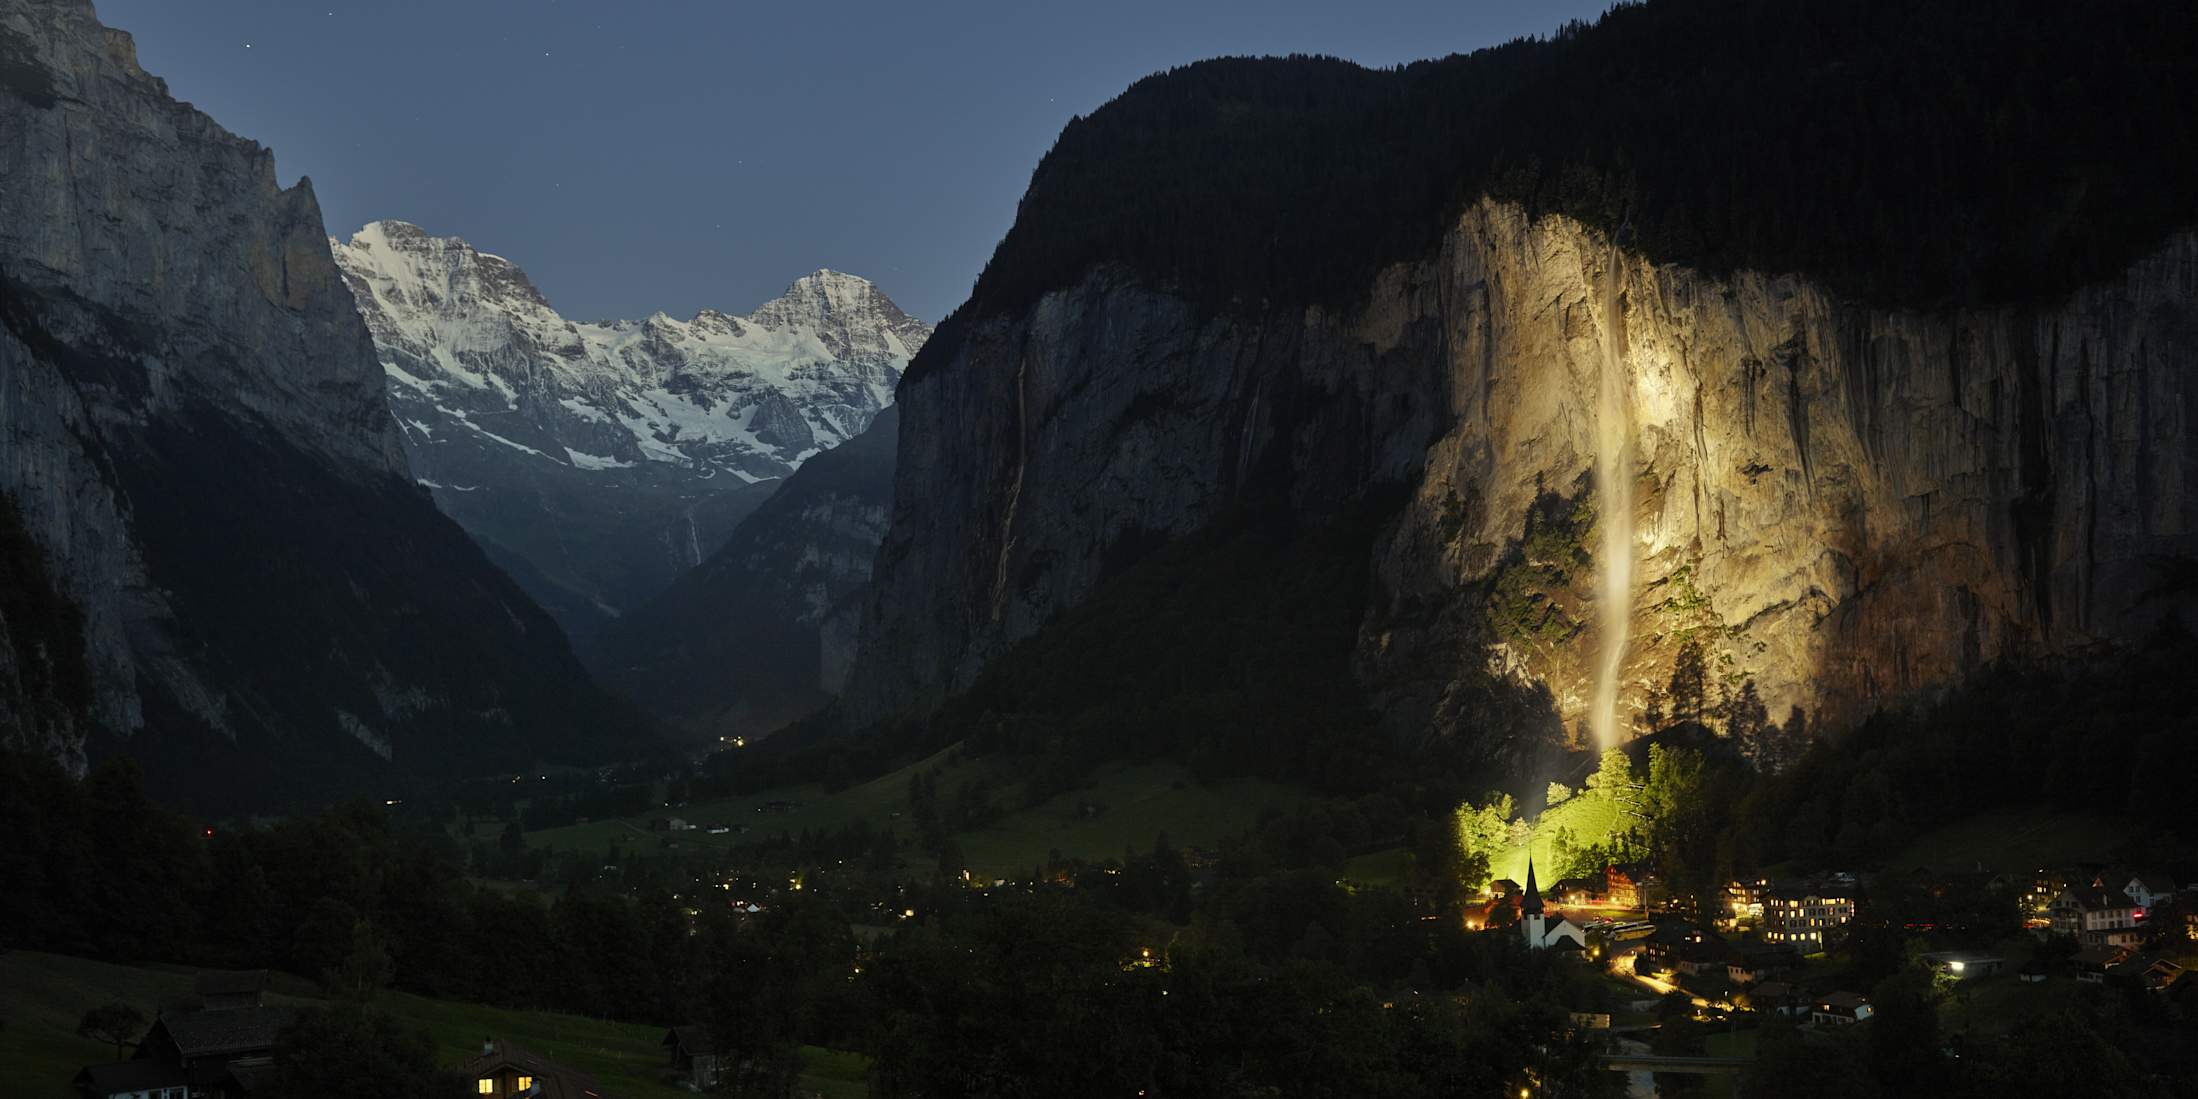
[1614,503]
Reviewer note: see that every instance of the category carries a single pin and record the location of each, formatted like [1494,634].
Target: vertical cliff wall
[1843,504]
[194,429]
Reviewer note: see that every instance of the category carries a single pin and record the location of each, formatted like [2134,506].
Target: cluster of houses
[219,1043]
[1755,946]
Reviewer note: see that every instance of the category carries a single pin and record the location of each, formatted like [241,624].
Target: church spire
[1532,905]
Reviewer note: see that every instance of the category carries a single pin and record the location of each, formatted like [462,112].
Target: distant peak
[389,230]
[391,245]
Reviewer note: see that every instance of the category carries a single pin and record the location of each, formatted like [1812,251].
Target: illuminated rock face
[1845,505]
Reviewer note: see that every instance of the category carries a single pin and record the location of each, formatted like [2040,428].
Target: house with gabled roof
[2150,890]
[142,1079]
[2092,962]
[506,1071]
[205,1043]
[1840,1009]
[2097,916]
[694,1054]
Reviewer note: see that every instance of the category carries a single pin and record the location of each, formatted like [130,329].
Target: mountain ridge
[1855,482]
[195,436]
[614,455]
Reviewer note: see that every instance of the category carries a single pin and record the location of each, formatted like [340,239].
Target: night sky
[674,154]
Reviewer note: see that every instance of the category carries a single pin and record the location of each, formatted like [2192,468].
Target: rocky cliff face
[1845,505]
[763,633]
[600,461]
[194,429]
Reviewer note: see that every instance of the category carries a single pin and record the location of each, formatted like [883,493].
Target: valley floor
[1123,807]
[43,995]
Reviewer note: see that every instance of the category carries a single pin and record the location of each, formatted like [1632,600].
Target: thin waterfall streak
[1614,503]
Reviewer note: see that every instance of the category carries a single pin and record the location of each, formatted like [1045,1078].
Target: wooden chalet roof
[223,1032]
[551,1080]
[694,1041]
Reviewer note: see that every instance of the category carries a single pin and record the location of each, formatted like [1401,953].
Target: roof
[691,1040]
[254,1074]
[551,1080]
[1810,890]
[1533,901]
[224,1030]
[1771,990]
[2092,898]
[2154,883]
[1844,1001]
[1759,953]
[125,1076]
[2099,955]
[230,982]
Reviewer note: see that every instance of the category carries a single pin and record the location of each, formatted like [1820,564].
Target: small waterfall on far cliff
[1614,507]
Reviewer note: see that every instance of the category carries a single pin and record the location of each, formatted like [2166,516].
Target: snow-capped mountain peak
[496,389]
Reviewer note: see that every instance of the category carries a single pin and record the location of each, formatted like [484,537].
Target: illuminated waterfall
[1614,504]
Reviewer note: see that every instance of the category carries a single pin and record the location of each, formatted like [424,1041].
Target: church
[1541,933]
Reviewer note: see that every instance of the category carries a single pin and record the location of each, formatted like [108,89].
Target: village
[1769,948]
[1769,951]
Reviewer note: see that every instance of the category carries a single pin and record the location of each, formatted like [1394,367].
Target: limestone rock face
[195,432]
[1846,505]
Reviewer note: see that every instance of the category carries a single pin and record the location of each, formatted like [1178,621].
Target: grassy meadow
[43,995]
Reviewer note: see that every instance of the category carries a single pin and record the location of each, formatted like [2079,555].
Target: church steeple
[1532,905]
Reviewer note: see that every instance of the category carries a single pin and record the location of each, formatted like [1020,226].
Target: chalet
[203,1044]
[142,1079]
[1808,915]
[2037,899]
[2033,971]
[1840,1009]
[1688,949]
[1776,996]
[1752,962]
[1744,899]
[1631,885]
[694,1055]
[1503,887]
[2097,916]
[222,989]
[2149,891]
[1577,892]
[1964,965]
[2092,962]
[2159,974]
[503,1071]
[2146,971]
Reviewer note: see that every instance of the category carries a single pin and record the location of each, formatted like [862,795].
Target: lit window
[488,1085]
[526,1082]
